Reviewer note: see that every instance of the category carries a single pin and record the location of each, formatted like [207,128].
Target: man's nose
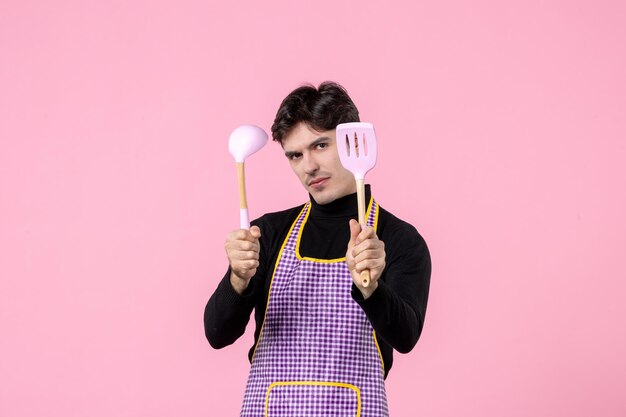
[310,164]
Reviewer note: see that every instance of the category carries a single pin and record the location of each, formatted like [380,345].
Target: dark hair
[321,108]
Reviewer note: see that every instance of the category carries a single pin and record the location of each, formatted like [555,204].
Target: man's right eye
[294,156]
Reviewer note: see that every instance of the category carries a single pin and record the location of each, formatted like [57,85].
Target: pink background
[502,139]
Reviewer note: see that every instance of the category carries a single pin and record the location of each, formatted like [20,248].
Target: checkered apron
[317,354]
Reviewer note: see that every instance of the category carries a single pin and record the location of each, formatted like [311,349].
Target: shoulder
[276,225]
[278,217]
[390,224]
[397,233]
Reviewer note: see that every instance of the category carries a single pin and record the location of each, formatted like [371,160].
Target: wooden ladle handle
[244,220]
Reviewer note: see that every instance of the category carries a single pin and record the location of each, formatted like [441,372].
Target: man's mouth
[317,182]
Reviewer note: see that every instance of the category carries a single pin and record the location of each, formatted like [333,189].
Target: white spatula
[356,144]
[243,142]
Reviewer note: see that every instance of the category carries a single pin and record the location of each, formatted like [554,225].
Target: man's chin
[321,197]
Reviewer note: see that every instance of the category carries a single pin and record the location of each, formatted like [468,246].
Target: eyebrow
[318,141]
[313,144]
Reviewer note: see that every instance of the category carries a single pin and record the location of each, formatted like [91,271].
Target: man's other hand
[242,248]
[365,252]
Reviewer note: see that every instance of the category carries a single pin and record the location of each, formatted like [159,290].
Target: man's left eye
[322,145]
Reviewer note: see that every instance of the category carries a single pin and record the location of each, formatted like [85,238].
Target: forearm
[392,317]
[227,313]
[396,309]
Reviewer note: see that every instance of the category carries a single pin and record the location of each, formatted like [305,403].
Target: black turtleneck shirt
[397,307]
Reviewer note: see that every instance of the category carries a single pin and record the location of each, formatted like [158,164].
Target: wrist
[369,290]
[239,284]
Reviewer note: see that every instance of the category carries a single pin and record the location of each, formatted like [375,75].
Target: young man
[323,342]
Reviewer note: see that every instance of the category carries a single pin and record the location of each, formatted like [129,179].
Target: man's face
[313,157]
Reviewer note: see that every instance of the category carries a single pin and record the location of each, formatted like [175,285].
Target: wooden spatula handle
[360,198]
[365,278]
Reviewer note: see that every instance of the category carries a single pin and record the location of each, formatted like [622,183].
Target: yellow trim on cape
[382,362]
[329,261]
[269,292]
[354,388]
[297,252]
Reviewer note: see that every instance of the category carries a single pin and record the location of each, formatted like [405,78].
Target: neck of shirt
[344,207]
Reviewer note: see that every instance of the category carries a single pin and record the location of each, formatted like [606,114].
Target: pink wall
[502,138]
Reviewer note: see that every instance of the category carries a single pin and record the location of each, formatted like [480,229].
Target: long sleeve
[227,313]
[397,308]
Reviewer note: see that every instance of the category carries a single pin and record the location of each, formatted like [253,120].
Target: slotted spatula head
[356,144]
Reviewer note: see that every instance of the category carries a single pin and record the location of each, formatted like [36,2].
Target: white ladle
[243,142]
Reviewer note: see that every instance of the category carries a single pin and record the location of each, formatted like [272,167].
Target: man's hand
[365,251]
[242,248]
